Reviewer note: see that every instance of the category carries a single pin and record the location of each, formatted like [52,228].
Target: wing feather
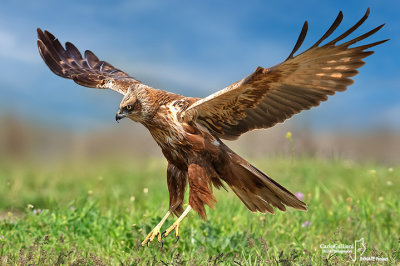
[300,40]
[332,28]
[272,95]
[85,70]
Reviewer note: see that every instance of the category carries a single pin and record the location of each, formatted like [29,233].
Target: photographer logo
[355,251]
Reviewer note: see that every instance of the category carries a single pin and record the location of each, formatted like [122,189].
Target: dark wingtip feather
[300,40]
[50,36]
[91,58]
[39,32]
[49,60]
[366,46]
[40,47]
[74,53]
[367,12]
[362,37]
[331,29]
[351,30]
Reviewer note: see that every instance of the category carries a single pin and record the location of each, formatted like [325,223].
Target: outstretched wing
[272,95]
[88,70]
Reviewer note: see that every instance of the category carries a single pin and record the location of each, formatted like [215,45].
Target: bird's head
[130,107]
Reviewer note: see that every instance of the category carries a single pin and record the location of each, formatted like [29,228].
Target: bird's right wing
[88,70]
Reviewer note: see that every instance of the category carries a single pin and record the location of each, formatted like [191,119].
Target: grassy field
[98,213]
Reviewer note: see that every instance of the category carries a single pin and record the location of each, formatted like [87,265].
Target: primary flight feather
[189,130]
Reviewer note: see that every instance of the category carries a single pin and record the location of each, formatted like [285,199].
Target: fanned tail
[256,190]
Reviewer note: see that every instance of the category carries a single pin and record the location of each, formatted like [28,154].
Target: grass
[98,212]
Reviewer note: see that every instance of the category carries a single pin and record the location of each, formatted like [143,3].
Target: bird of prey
[190,130]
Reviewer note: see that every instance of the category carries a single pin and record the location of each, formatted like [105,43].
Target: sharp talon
[156,231]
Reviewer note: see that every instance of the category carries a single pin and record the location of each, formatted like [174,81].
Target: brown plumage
[189,130]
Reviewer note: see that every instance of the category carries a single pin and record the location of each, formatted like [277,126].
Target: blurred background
[193,49]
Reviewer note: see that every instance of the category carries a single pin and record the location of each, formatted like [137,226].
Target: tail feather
[252,203]
[256,190]
[287,197]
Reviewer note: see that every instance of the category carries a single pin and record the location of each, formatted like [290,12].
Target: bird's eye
[129,107]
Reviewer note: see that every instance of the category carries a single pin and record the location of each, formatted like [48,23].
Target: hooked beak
[119,115]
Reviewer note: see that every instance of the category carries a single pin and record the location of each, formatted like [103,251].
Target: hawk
[190,130]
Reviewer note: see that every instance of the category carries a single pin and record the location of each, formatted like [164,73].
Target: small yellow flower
[372,172]
[145,190]
[289,135]
[348,208]
[234,219]
[122,242]
[10,214]
[133,225]
[262,218]
[140,230]
[330,213]
[380,198]
[389,183]
[90,192]
[390,169]
[30,206]
[132,198]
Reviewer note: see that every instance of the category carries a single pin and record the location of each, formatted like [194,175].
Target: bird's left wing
[271,95]
[88,70]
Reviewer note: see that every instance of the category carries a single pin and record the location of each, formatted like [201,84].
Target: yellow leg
[156,231]
[175,225]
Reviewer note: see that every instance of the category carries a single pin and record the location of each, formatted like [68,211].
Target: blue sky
[192,48]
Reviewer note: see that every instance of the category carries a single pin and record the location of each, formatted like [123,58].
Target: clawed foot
[174,226]
[156,231]
[150,237]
